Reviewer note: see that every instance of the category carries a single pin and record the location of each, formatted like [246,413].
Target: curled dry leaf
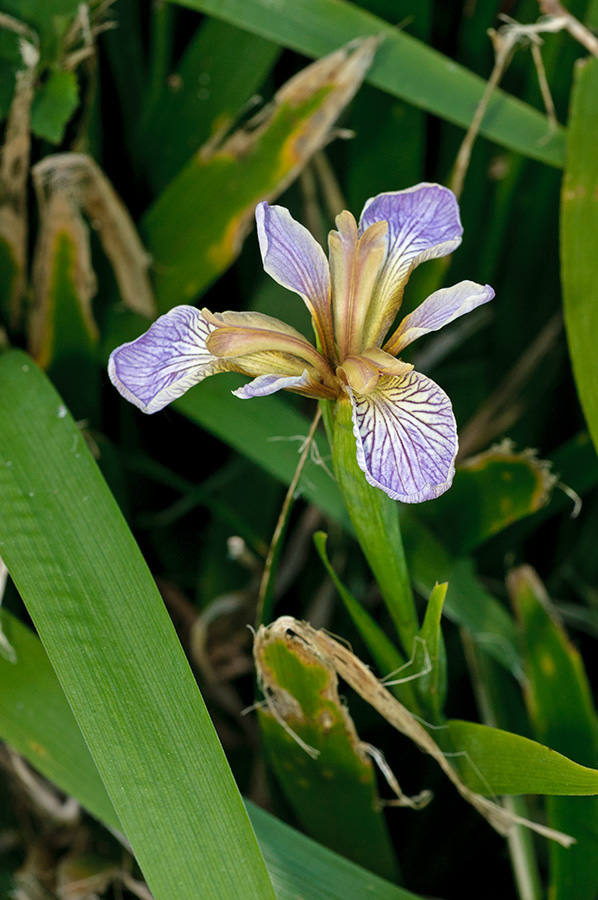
[339,659]
[14,169]
[328,714]
[84,188]
[60,221]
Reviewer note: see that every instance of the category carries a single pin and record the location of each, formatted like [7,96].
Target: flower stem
[265,597]
[374,517]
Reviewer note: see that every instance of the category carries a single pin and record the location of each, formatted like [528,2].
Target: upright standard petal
[166,361]
[406,437]
[355,263]
[293,258]
[423,223]
[438,310]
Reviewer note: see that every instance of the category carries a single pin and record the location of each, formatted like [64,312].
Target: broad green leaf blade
[304,713]
[499,762]
[37,721]
[121,666]
[299,867]
[560,707]
[221,70]
[196,227]
[490,491]
[405,67]
[579,236]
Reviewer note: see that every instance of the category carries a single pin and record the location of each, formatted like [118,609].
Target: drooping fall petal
[438,310]
[406,437]
[166,361]
[423,223]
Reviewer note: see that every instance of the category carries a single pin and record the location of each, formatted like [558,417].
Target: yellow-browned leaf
[14,169]
[315,752]
[198,224]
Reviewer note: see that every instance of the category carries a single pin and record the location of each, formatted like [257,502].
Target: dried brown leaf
[84,185]
[330,653]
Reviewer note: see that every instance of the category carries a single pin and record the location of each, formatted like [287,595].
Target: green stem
[374,517]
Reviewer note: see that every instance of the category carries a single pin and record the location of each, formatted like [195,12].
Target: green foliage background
[129,697]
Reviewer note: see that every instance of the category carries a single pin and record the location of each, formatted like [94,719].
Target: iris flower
[404,427]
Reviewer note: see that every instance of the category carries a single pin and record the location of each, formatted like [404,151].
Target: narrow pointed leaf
[36,720]
[499,762]
[560,707]
[579,233]
[109,637]
[430,659]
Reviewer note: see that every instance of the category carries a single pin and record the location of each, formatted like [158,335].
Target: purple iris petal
[166,361]
[438,310]
[423,223]
[294,258]
[270,384]
[406,437]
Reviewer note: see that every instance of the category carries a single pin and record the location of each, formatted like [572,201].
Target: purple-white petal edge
[406,438]
[293,257]
[438,310]
[165,362]
[264,385]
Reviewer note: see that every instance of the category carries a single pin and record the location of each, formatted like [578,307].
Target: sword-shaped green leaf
[559,703]
[37,721]
[109,636]
[579,236]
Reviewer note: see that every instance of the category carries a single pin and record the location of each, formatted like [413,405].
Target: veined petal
[293,258]
[438,310]
[166,361]
[406,437]
[423,223]
[270,384]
